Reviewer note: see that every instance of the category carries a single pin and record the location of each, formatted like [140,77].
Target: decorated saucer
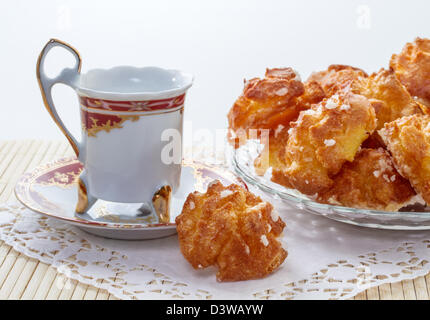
[51,190]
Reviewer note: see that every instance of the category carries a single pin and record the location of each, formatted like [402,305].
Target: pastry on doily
[233,229]
[266,103]
[323,139]
[408,140]
[336,78]
[412,67]
[369,182]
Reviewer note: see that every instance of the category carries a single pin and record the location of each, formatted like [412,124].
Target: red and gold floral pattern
[65,176]
[95,119]
[93,122]
[132,106]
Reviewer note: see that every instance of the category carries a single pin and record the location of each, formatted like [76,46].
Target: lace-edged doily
[326,260]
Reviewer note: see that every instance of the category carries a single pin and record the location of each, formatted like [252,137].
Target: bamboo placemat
[22,277]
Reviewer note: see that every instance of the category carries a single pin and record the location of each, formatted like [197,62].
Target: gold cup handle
[68,76]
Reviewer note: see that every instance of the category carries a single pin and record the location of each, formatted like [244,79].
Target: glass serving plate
[412,217]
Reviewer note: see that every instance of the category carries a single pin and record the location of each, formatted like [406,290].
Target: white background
[220,42]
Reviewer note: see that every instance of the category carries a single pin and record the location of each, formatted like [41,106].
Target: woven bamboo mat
[26,278]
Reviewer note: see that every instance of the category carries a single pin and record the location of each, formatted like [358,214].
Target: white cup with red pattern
[125,111]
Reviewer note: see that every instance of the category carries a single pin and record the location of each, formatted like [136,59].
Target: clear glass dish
[413,217]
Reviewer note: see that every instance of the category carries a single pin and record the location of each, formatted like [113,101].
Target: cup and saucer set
[128,179]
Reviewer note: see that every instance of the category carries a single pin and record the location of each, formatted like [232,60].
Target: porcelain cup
[125,115]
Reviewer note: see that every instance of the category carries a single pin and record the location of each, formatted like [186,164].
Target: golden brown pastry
[273,154]
[388,96]
[323,139]
[369,182]
[270,103]
[336,78]
[408,140]
[313,94]
[412,67]
[266,103]
[231,228]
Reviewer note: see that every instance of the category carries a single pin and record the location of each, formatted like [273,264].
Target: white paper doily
[326,259]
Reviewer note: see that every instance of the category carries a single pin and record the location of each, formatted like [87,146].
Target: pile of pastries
[344,137]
